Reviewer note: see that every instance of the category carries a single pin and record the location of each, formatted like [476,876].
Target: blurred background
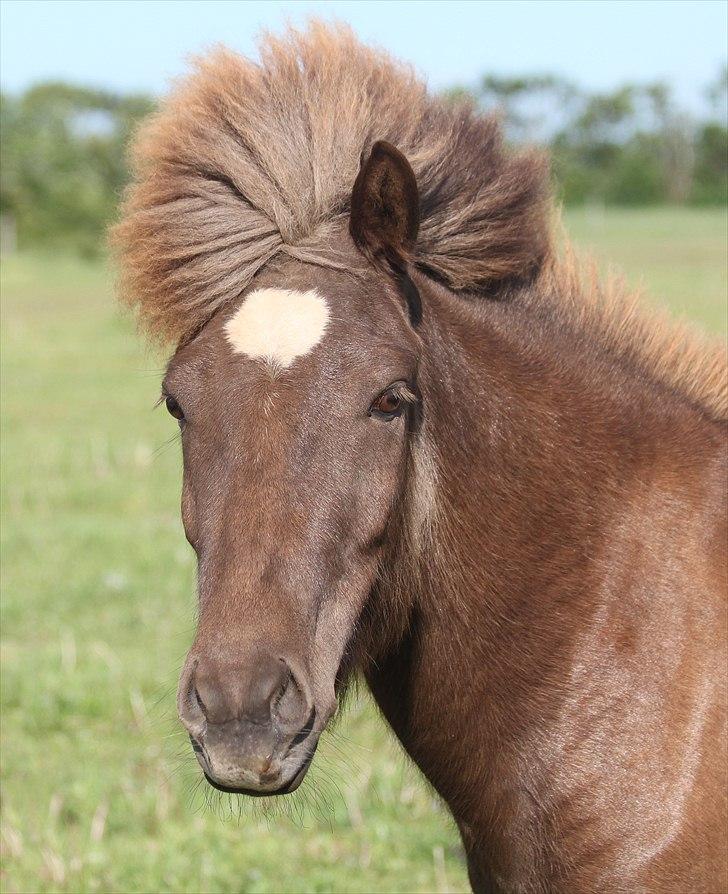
[100,791]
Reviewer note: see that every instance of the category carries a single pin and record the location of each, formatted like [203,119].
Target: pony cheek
[335,629]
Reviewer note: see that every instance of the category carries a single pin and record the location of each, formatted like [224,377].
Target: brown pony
[418,444]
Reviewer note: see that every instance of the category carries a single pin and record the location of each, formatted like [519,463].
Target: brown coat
[458,463]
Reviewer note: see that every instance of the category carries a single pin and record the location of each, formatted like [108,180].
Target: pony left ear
[385,216]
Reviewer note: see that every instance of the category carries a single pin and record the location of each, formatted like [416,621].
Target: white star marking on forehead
[278,325]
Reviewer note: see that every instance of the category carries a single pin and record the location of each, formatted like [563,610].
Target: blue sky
[140,44]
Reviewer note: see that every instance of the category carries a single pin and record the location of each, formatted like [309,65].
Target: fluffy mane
[246,160]
[674,353]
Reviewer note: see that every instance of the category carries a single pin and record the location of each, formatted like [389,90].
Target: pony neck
[536,445]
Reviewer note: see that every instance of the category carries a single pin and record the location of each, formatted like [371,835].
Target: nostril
[263,690]
[189,705]
[294,705]
[196,699]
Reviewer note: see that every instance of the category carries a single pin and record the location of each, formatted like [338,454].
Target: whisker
[165,445]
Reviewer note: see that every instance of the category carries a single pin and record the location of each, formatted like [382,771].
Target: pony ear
[385,205]
[385,215]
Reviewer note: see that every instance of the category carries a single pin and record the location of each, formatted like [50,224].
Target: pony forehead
[278,325]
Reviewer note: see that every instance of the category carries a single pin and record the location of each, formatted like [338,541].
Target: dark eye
[389,404]
[174,408]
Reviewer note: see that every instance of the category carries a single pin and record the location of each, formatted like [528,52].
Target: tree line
[631,146]
[64,150]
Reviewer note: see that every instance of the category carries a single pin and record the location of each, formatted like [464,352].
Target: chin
[281,788]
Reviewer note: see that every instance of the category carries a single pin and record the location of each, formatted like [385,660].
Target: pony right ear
[385,204]
[385,215]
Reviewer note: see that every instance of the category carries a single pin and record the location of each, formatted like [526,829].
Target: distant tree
[533,107]
[711,147]
[674,133]
[717,95]
[711,166]
[64,166]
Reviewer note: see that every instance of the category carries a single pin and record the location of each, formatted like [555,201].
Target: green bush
[710,185]
[64,163]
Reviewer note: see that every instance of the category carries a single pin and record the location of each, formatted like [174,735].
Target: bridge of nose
[240,690]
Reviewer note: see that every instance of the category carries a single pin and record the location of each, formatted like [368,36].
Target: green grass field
[100,788]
